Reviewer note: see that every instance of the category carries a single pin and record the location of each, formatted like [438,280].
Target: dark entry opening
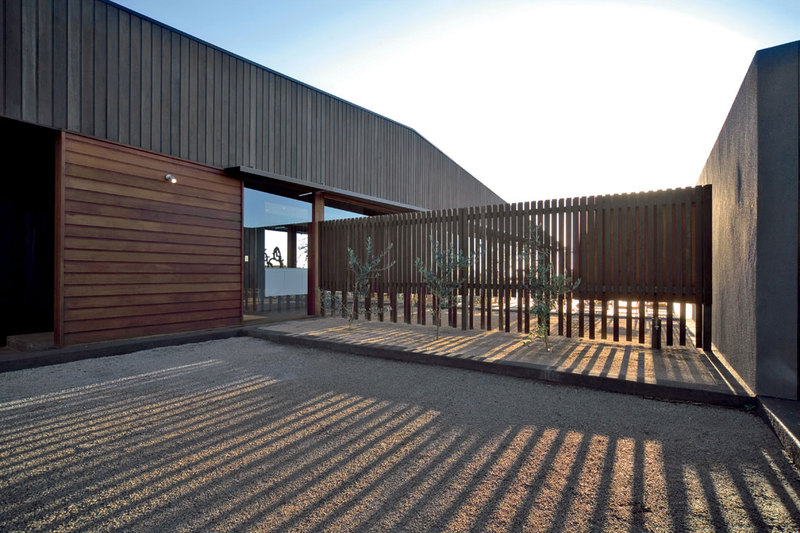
[27,154]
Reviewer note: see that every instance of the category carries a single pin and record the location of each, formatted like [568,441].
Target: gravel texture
[244,434]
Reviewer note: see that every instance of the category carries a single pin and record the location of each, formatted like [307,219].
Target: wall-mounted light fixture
[170,178]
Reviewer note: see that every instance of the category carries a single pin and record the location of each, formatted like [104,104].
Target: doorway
[26,229]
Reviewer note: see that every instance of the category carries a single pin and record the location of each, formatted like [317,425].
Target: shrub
[363,272]
[443,281]
[540,280]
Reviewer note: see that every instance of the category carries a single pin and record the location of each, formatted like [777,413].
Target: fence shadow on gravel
[255,451]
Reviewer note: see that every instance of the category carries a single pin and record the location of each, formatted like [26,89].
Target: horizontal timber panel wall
[643,247]
[90,67]
[142,256]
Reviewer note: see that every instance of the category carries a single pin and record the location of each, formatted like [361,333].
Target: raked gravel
[243,434]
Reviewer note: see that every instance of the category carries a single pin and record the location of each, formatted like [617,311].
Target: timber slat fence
[637,256]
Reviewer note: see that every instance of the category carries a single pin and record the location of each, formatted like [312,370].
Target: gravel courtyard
[243,434]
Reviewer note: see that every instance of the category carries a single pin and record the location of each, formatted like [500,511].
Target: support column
[60,210]
[317,216]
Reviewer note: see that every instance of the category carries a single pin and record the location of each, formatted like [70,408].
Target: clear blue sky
[537,99]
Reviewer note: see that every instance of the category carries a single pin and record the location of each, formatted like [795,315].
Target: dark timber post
[462,243]
[317,216]
[706,262]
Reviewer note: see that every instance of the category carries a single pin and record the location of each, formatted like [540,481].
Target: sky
[537,99]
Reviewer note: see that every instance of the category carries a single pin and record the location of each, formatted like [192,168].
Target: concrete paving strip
[672,373]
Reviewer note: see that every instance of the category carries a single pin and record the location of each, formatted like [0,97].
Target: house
[131,149]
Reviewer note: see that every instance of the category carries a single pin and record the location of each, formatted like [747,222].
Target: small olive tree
[331,303]
[443,280]
[363,272]
[540,280]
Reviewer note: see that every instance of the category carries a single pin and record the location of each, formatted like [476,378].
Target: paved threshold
[673,373]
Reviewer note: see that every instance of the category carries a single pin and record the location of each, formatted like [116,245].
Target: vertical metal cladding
[97,69]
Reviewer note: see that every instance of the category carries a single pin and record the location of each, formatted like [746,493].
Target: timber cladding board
[95,68]
[142,256]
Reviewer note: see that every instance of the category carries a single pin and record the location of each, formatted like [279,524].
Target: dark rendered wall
[754,168]
[95,68]
[732,169]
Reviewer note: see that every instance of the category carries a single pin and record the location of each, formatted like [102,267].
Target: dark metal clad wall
[94,68]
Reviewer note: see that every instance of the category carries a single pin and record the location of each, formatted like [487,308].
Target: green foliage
[540,280]
[443,280]
[331,303]
[364,272]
